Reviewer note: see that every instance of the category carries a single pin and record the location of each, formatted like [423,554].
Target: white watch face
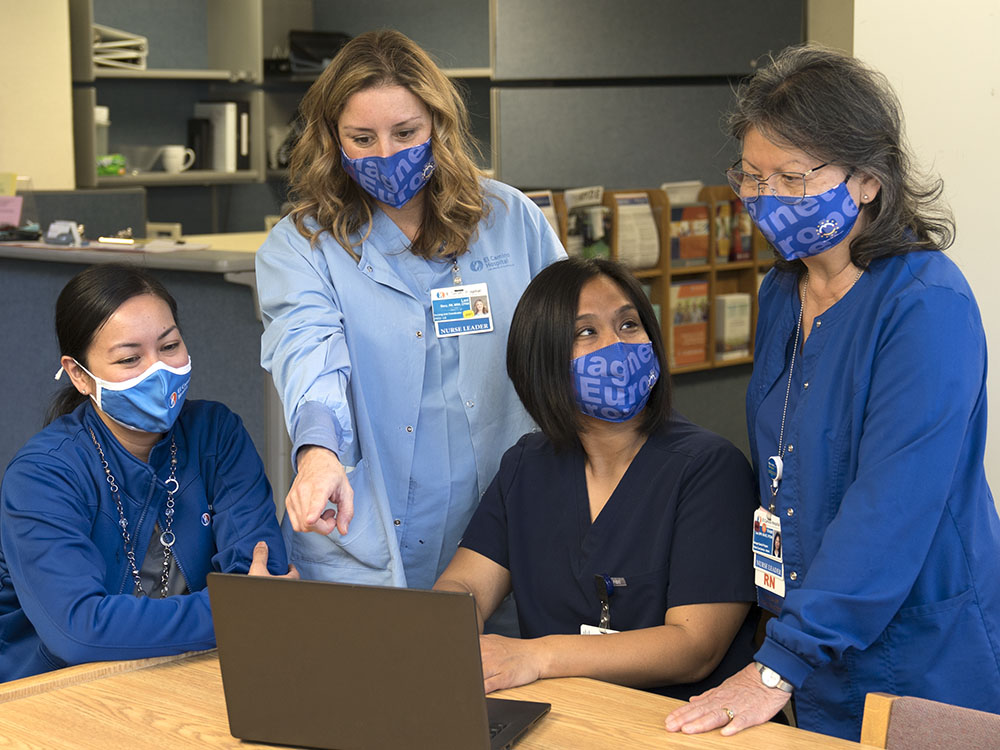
[769,677]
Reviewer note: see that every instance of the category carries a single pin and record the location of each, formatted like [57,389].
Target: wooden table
[178,702]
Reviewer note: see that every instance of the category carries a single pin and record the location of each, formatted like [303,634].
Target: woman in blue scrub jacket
[621,527]
[867,416]
[113,515]
[366,290]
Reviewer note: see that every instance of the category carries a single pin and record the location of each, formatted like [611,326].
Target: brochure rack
[718,275]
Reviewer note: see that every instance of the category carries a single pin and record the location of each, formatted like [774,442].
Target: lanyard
[774,463]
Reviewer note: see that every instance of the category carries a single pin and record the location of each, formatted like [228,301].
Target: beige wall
[36,119]
[943,60]
[831,22]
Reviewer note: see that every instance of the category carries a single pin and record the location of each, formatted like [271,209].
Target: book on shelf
[588,223]
[690,233]
[225,119]
[638,239]
[732,325]
[199,140]
[723,231]
[243,135]
[688,332]
[544,200]
[742,232]
[657,308]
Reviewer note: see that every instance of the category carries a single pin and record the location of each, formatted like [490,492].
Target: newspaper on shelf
[114,48]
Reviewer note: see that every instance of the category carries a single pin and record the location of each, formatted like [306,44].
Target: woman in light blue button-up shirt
[388,207]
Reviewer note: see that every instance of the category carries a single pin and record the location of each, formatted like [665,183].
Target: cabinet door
[615,136]
[455,32]
[638,38]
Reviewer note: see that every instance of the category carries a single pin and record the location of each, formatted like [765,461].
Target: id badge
[595,630]
[768,569]
[460,310]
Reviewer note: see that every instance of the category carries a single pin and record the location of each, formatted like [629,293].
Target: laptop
[352,667]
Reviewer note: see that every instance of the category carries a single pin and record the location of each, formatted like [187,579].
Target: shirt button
[819,323]
[420,334]
[793,576]
[409,428]
[806,384]
[368,269]
[470,404]
[790,512]
[397,522]
[791,448]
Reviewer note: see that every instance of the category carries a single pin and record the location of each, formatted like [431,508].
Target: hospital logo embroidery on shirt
[492,262]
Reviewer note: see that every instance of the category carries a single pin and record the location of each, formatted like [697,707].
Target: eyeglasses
[787,187]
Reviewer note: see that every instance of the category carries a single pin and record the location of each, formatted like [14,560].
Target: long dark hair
[835,108]
[84,306]
[540,346]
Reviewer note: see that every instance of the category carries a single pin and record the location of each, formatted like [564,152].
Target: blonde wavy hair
[320,188]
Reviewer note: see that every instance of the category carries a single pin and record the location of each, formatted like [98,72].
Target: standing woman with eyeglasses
[867,417]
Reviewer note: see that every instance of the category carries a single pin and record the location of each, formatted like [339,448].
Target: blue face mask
[808,228]
[149,402]
[614,383]
[392,179]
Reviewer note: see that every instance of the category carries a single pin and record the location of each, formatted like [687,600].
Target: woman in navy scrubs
[620,518]
[867,417]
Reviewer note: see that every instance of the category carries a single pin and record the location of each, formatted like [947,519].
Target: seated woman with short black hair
[620,517]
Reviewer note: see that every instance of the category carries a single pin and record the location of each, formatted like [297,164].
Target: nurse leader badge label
[460,310]
[768,569]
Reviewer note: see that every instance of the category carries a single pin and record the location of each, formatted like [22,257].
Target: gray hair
[835,108]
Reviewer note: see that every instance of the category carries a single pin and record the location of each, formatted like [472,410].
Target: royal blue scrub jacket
[345,342]
[66,586]
[891,538]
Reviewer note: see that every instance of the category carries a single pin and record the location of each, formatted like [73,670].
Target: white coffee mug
[177,158]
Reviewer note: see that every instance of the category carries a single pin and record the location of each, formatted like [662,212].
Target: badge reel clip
[605,587]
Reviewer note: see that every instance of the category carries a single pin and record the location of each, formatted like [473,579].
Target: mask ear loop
[97,398]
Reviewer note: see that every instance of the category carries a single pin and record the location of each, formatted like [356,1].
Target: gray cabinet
[598,39]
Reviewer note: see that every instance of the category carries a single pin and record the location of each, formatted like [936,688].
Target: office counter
[178,702]
[216,297]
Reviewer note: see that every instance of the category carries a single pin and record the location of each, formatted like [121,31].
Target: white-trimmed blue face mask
[395,179]
[149,402]
[614,382]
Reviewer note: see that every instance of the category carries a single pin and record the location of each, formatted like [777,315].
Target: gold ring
[729,712]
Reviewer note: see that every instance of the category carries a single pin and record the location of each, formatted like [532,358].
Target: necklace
[775,464]
[167,538]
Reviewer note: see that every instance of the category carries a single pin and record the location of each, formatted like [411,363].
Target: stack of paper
[114,48]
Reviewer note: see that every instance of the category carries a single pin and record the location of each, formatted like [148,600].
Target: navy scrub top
[676,528]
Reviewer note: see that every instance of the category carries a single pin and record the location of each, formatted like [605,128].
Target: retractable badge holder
[605,588]
[774,470]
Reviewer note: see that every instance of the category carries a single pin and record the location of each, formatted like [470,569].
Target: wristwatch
[772,679]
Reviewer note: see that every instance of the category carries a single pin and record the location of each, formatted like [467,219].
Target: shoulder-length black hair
[837,109]
[84,306]
[540,347]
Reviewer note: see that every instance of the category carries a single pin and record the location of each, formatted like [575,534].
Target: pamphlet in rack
[638,239]
[588,223]
[732,325]
[688,333]
[690,233]
[545,201]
